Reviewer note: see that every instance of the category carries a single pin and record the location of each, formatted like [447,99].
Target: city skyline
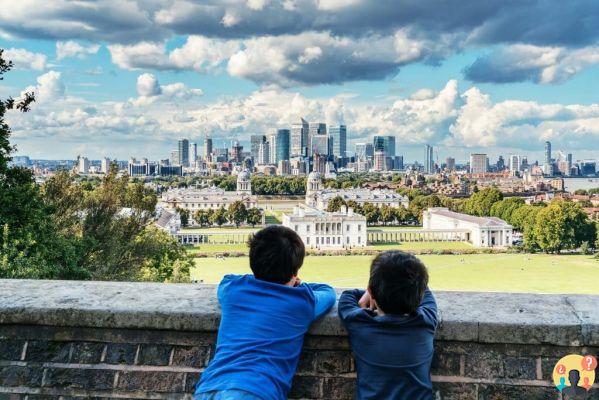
[477,82]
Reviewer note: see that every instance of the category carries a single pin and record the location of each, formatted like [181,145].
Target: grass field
[533,273]
[211,248]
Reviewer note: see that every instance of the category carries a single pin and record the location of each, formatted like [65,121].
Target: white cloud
[23,59]
[73,49]
[540,64]
[147,85]
[49,87]
[198,53]
[162,113]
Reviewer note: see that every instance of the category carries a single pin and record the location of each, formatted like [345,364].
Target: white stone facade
[318,197]
[327,230]
[210,198]
[483,231]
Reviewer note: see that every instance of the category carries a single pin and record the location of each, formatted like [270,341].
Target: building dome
[314,176]
[243,176]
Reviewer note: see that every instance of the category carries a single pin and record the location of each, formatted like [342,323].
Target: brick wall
[69,359]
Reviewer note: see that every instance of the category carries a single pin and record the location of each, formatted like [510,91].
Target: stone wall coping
[517,318]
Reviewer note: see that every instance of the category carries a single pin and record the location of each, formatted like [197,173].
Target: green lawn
[534,273]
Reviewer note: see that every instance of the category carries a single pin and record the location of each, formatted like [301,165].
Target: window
[307,228]
[348,226]
[359,239]
[296,228]
[347,239]
[317,240]
[359,228]
[308,240]
[328,240]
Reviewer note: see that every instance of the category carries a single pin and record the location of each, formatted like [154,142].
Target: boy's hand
[298,282]
[366,301]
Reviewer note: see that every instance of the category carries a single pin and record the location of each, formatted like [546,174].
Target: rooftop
[482,221]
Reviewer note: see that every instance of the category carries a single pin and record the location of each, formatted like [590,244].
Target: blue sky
[129,78]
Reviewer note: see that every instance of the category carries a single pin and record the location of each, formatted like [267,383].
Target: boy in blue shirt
[264,318]
[391,328]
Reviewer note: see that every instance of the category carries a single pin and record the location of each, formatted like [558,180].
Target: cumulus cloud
[147,85]
[316,58]
[520,62]
[136,31]
[73,49]
[468,119]
[23,59]
[198,53]
[49,87]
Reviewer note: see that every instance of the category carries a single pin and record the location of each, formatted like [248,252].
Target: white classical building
[483,231]
[210,198]
[327,230]
[319,197]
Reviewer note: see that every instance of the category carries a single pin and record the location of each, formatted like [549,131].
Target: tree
[480,202]
[505,208]
[254,216]
[371,212]
[335,204]
[581,192]
[387,214]
[202,217]
[562,225]
[237,213]
[184,214]
[219,216]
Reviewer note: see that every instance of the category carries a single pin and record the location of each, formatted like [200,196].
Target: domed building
[244,183]
[318,197]
[194,199]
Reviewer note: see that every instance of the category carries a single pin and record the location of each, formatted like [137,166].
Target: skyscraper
[548,166]
[338,134]
[194,153]
[514,163]
[478,163]
[280,146]
[299,138]
[364,151]
[264,153]
[236,152]
[184,152]
[385,144]
[105,165]
[255,142]
[429,162]
[207,148]
[318,141]
[450,163]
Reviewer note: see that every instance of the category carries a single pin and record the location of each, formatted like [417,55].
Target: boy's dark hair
[276,254]
[397,282]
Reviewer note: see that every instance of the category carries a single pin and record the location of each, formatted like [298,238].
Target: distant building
[207,149]
[237,152]
[263,154]
[184,152]
[105,165]
[338,135]
[450,163]
[478,163]
[142,168]
[194,153]
[319,197]
[299,138]
[284,167]
[83,167]
[279,146]
[318,140]
[483,231]
[385,144]
[380,161]
[169,221]
[327,230]
[170,170]
[210,198]
[255,142]
[364,151]
[175,157]
[429,162]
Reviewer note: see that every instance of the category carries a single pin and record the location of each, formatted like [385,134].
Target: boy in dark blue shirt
[264,318]
[391,328]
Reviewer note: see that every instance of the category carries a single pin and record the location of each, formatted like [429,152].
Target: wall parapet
[139,340]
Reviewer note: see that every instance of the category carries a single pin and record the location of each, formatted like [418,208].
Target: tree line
[66,229]
[236,214]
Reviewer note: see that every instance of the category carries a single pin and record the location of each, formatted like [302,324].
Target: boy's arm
[324,297]
[349,303]
[428,307]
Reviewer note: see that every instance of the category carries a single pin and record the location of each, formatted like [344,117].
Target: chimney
[350,212]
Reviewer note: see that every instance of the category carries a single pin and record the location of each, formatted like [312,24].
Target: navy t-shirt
[393,353]
[261,334]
